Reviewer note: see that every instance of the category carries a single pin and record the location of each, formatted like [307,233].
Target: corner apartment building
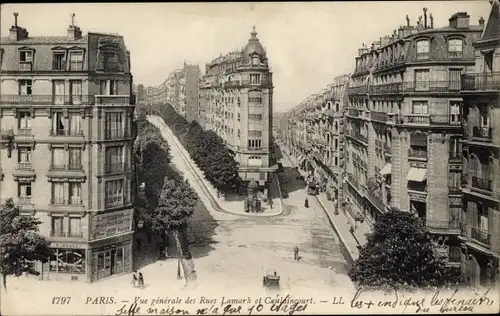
[481,182]
[66,121]
[404,125]
[313,134]
[236,102]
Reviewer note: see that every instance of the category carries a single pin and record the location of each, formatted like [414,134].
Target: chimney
[425,18]
[432,20]
[407,21]
[481,21]
[16,32]
[74,31]
[459,20]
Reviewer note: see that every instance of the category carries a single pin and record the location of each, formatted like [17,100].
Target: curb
[349,255]
[213,201]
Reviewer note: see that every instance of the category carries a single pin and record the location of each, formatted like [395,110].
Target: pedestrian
[306,203]
[134,278]
[141,280]
[296,253]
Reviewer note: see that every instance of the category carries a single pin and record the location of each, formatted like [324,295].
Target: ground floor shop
[87,262]
[480,267]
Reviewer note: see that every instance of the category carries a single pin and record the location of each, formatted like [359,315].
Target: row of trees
[169,201]
[206,148]
[400,253]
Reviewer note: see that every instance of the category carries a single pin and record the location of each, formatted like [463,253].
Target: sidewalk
[231,207]
[341,224]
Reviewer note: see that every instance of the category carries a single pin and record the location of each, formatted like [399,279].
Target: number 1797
[61,300]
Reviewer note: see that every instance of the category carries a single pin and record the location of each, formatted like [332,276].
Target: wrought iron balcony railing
[481,81]
[481,183]
[24,199]
[118,167]
[379,116]
[417,153]
[69,234]
[65,132]
[50,99]
[482,132]
[25,131]
[443,225]
[25,165]
[481,235]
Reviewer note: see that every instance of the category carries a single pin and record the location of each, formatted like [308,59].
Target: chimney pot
[425,17]
[407,20]
[481,21]
[432,20]
[15,18]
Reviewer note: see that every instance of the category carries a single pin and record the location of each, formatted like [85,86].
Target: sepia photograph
[250,158]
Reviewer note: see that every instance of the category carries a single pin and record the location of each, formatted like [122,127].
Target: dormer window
[26,59]
[423,49]
[455,48]
[76,61]
[26,56]
[255,60]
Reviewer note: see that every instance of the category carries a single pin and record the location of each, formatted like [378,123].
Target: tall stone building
[481,182]
[236,102]
[66,112]
[403,126]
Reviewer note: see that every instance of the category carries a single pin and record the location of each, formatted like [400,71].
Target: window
[114,125]
[24,157]
[76,91]
[24,189]
[58,158]
[75,193]
[455,112]
[25,87]
[418,145]
[254,143]
[422,79]
[114,159]
[454,181]
[58,90]
[423,49]
[26,56]
[114,192]
[58,61]
[58,193]
[455,47]
[255,161]
[454,78]
[254,78]
[75,158]
[75,227]
[24,121]
[59,124]
[76,61]
[420,107]
[109,87]
[75,124]
[57,226]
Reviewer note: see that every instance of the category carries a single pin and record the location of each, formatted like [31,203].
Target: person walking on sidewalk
[296,253]
[134,278]
[141,280]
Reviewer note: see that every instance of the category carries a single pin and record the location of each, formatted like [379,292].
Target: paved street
[243,248]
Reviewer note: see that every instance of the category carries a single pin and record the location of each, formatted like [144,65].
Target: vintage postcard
[250,158]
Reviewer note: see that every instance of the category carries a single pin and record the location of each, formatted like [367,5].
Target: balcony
[454,190]
[417,119]
[25,165]
[482,184]
[34,99]
[112,100]
[255,100]
[66,234]
[443,226]
[357,90]
[432,86]
[483,132]
[480,235]
[388,88]
[452,120]
[114,201]
[379,116]
[24,131]
[25,66]
[417,153]
[111,168]
[65,132]
[481,81]
[24,200]
[423,56]
[353,112]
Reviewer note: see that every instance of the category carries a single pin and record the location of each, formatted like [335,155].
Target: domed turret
[253,46]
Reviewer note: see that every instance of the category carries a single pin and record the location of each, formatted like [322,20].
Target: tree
[176,205]
[20,243]
[400,252]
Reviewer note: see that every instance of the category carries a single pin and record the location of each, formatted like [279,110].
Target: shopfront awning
[417,174]
[386,170]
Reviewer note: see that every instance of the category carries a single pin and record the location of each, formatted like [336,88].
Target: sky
[307,43]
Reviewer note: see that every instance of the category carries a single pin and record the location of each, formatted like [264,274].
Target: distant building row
[234,99]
